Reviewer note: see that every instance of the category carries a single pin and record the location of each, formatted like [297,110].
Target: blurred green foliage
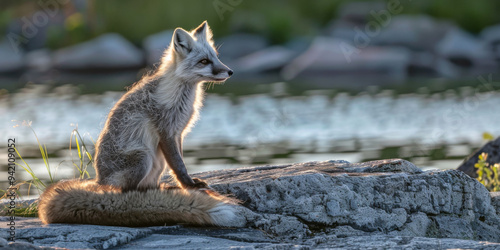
[278,20]
[5,17]
[487,173]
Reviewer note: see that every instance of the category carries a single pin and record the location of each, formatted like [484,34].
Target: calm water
[434,125]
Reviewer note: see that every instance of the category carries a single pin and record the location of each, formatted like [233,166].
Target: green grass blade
[30,171]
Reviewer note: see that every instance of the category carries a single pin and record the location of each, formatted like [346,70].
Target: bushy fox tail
[86,202]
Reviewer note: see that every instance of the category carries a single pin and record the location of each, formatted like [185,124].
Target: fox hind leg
[152,177]
[139,164]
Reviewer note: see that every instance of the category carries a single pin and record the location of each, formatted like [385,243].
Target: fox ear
[203,32]
[182,41]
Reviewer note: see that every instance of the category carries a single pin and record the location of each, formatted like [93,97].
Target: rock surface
[492,148]
[11,59]
[239,45]
[331,56]
[359,12]
[491,37]
[268,59]
[109,51]
[333,204]
[418,33]
[155,45]
[463,53]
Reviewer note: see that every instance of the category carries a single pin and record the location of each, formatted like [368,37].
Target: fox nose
[230,72]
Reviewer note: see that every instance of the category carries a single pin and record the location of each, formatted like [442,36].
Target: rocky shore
[362,41]
[386,204]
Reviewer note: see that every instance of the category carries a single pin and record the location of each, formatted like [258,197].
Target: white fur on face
[193,66]
[193,58]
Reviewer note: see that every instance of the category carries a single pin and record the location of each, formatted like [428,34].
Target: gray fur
[145,129]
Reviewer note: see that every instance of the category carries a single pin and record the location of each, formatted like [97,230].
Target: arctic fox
[145,129]
[142,135]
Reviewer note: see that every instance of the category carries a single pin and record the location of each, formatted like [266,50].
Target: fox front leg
[179,145]
[198,182]
[170,149]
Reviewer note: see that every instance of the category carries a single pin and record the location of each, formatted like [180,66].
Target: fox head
[195,56]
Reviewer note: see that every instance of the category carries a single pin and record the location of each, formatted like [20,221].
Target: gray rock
[12,59]
[423,64]
[108,51]
[485,232]
[39,60]
[492,148]
[452,227]
[460,43]
[24,246]
[283,226]
[330,56]
[359,12]
[491,38]
[331,204]
[400,243]
[417,225]
[154,45]
[299,44]
[464,50]
[342,29]
[32,30]
[75,236]
[491,34]
[161,241]
[383,196]
[3,242]
[239,45]
[495,201]
[419,33]
[268,59]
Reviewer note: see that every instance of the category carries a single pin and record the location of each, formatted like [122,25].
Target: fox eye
[205,61]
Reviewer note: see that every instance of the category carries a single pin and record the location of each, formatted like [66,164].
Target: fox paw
[198,183]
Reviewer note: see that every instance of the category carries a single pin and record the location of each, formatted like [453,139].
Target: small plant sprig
[83,152]
[81,164]
[29,209]
[45,156]
[487,174]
